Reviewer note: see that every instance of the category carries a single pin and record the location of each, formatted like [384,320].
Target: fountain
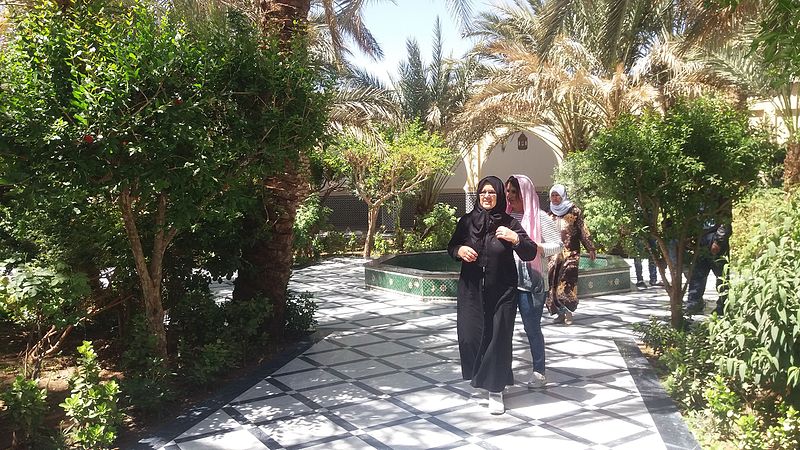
[433,276]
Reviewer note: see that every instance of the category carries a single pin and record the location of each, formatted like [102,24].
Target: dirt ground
[57,371]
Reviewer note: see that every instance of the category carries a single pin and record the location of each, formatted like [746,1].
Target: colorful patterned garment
[563,272]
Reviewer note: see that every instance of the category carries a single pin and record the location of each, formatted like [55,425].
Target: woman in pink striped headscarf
[523,205]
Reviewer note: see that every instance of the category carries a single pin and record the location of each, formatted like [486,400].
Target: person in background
[713,257]
[652,267]
[485,241]
[523,205]
[563,274]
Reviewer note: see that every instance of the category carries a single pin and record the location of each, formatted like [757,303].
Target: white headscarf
[565,205]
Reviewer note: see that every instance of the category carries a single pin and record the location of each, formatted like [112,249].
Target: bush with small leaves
[91,410]
[146,384]
[311,219]
[300,311]
[687,354]
[205,364]
[25,409]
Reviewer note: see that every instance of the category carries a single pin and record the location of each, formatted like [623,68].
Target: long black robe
[487,300]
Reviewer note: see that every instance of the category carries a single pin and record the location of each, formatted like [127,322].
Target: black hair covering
[486,222]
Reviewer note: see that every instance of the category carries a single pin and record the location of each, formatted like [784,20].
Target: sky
[392,25]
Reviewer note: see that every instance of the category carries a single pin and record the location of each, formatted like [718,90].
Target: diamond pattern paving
[383,373]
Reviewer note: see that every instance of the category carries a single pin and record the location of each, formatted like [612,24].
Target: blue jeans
[697,281]
[651,267]
[530,308]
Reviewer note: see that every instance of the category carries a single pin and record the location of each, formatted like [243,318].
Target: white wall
[537,162]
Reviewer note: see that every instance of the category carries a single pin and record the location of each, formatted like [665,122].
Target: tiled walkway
[383,373]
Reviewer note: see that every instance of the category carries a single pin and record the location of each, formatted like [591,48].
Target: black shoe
[656,283]
[694,308]
[641,285]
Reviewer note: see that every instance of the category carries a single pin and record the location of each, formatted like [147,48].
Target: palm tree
[434,94]
[562,92]
[269,258]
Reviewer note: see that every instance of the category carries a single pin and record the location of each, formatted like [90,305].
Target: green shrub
[756,340]
[383,243]
[25,410]
[212,337]
[657,335]
[753,432]
[37,297]
[311,219]
[749,215]
[723,402]
[244,323]
[203,365]
[300,311]
[196,319]
[332,242]
[687,354]
[92,407]
[146,388]
[439,225]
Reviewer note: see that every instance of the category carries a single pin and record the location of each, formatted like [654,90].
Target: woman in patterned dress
[563,272]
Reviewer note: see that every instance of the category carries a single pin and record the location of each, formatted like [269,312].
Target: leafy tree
[685,168]
[131,107]
[410,157]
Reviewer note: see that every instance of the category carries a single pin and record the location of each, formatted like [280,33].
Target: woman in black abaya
[485,241]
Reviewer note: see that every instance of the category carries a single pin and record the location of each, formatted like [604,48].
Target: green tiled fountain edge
[434,275]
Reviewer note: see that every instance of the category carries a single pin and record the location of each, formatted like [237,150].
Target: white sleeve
[552,238]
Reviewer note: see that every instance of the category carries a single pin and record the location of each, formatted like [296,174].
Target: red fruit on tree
[89,139]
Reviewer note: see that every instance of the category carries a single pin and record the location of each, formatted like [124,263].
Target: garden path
[383,373]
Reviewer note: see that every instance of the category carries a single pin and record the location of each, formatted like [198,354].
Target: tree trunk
[791,166]
[673,285]
[284,17]
[374,210]
[267,261]
[150,275]
[675,291]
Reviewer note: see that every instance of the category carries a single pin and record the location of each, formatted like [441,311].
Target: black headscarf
[485,223]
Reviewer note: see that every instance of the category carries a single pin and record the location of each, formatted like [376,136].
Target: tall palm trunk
[268,260]
[285,17]
[268,257]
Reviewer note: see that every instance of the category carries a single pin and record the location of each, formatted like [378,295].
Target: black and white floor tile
[383,373]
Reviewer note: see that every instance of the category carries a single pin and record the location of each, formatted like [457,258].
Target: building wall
[538,162]
[767,112]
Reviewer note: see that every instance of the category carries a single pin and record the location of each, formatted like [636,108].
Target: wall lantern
[522,142]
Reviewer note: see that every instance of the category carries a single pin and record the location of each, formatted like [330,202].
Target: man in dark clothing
[713,256]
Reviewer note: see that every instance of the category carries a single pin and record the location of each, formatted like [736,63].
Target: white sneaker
[480,397]
[537,381]
[496,405]
[568,318]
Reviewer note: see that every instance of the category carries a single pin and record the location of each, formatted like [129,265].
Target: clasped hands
[468,254]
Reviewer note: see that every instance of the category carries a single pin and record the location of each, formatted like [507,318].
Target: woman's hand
[592,255]
[467,253]
[507,234]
